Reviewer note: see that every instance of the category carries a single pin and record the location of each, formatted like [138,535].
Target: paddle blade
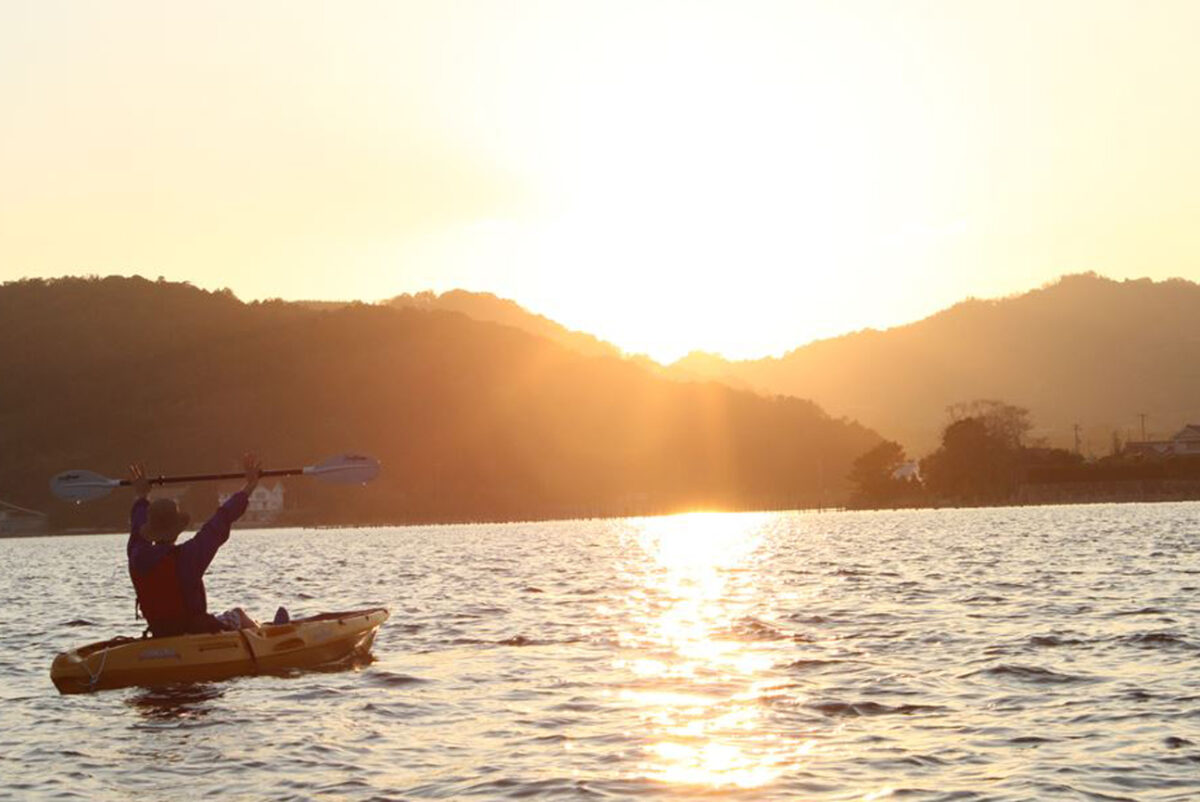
[80,486]
[347,469]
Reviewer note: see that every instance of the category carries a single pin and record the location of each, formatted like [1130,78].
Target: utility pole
[1077,445]
[1142,415]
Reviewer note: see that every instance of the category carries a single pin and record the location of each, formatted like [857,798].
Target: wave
[1033,674]
[752,629]
[1155,640]
[857,709]
[388,679]
[1054,640]
[805,665]
[1141,611]
[515,640]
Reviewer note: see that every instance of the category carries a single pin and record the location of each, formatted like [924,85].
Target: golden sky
[740,177]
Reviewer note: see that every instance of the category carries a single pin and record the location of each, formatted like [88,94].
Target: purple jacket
[191,558]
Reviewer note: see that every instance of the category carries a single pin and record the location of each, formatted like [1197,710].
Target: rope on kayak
[249,649]
[94,679]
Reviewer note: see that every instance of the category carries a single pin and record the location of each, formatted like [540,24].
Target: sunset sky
[740,177]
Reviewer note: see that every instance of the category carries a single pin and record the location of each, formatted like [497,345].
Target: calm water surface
[1006,654]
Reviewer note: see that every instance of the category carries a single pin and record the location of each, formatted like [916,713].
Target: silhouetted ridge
[1084,349]
[485,306]
[471,420]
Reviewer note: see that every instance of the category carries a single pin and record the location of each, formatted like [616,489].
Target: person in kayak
[169,578]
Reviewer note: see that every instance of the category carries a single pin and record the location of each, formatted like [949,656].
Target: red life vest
[161,598]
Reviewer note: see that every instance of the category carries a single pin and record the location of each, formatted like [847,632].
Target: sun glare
[696,677]
[699,165]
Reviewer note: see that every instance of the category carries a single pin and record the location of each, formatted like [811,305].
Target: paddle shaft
[209,477]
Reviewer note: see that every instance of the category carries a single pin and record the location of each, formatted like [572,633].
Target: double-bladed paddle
[349,469]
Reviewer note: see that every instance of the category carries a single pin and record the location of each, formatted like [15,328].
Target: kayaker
[169,578]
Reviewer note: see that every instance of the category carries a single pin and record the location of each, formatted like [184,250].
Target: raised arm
[141,502]
[196,554]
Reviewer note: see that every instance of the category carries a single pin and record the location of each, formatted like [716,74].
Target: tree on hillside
[873,476]
[1006,424]
[980,456]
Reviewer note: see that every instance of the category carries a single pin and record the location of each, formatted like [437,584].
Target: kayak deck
[268,649]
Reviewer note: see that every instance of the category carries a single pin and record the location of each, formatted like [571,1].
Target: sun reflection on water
[698,667]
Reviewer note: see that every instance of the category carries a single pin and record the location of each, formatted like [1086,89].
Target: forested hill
[472,420]
[1084,350]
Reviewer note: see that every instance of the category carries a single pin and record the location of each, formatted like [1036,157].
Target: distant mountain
[1083,350]
[489,308]
[472,420]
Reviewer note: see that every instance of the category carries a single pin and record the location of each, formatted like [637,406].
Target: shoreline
[266,527]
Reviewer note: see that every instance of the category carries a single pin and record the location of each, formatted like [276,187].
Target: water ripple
[1019,654]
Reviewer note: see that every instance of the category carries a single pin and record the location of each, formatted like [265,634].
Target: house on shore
[909,471]
[1186,442]
[265,506]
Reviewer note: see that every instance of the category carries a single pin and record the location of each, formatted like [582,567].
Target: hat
[165,521]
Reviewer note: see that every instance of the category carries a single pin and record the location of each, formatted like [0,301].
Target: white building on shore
[266,503]
[1185,442]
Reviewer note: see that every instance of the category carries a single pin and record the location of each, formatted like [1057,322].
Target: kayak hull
[321,640]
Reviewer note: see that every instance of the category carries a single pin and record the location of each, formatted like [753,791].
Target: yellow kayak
[268,649]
